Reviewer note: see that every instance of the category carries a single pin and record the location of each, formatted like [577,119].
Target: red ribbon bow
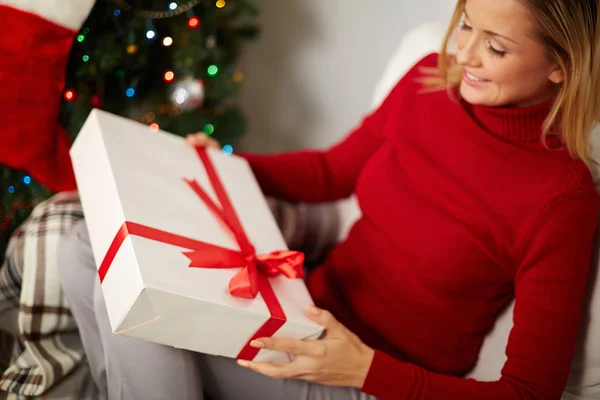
[245,283]
[256,269]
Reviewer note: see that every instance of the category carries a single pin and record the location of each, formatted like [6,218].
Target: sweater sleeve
[314,176]
[550,283]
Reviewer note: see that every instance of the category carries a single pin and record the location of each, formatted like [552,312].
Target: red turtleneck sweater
[463,209]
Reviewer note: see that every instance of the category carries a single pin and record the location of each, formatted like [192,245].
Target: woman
[469,196]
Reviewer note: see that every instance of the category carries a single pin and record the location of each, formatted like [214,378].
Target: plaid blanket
[48,349]
[48,346]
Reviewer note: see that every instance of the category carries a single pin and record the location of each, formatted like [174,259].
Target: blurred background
[310,75]
[258,75]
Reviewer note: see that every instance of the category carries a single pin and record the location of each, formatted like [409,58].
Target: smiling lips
[473,79]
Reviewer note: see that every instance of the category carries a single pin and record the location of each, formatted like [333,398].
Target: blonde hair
[570,31]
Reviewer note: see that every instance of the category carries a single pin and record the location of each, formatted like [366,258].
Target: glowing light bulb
[193,22]
[212,70]
[169,76]
[69,95]
[228,149]
[209,129]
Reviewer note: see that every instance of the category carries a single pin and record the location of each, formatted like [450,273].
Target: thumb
[325,319]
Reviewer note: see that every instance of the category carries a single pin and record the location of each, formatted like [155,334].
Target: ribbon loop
[245,283]
[287,262]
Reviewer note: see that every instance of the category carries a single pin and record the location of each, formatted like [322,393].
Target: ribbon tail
[245,283]
[271,326]
[205,255]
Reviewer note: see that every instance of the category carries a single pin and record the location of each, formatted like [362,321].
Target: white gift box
[129,176]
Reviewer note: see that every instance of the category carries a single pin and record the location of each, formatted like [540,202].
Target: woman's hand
[339,359]
[201,139]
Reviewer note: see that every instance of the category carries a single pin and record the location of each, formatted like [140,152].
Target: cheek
[504,72]
[512,74]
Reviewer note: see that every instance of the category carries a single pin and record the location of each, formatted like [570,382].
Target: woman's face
[504,64]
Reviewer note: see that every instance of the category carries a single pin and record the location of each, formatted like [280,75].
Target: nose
[468,54]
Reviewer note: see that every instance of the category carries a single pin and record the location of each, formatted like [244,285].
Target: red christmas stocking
[34,50]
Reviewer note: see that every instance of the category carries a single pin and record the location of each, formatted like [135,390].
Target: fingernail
[313,310]
[243,363]
[257,344]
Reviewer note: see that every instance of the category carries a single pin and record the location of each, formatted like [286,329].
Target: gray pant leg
[129,368]
[138,369]
[123,368]
[225,380]
[78,273]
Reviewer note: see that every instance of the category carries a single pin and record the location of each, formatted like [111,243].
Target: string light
[169,76]
[19,205]
[85,58]
[27,179]
[130,92]
[154,127]
[193,22]
[238,77]
[117,12]
[11,189]
[149,117]
[212,70]
[173,6]
[69,95]
[180,9]
[167,41]
[132,49]
[228,149]
[80,38]
[150,32]
[209,129]
[96,101]
[211,42]
[220,3]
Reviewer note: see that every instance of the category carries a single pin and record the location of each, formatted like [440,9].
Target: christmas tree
[168,64]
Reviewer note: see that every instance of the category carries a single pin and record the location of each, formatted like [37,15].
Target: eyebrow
[493,33]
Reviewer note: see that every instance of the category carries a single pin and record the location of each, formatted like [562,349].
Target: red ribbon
[252,279]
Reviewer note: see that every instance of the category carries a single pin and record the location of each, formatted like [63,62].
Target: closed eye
[493,51]
[465,27]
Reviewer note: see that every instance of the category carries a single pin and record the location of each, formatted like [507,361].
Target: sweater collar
[515,124]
